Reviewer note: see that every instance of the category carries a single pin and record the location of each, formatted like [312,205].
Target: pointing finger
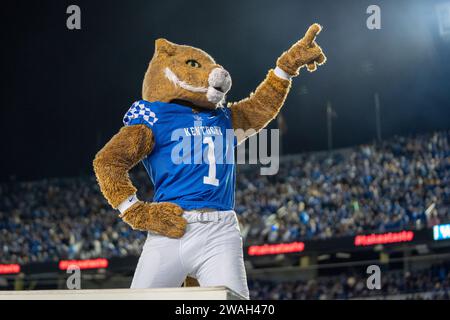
[311,34]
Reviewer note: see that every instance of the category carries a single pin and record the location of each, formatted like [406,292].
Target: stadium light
[383,238]
[99,263]
[443,14]
[441,232]
[343,255]
[323,257]
[9,268]
[280,248]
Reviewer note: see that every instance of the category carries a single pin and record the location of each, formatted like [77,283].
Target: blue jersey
[192,163]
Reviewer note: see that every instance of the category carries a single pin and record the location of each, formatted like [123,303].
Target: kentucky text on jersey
[200,135]
[202,130]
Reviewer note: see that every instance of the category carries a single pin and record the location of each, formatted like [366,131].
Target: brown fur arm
[261,107]
[256,111]
[111,165]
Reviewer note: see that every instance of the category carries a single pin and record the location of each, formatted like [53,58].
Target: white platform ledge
[190,293]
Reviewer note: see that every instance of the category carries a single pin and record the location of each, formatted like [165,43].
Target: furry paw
[304,52]
[191,282]
[163,218]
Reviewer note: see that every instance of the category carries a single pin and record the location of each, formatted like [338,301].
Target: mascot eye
[193,63]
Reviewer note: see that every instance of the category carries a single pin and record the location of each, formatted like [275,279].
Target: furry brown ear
[165,46]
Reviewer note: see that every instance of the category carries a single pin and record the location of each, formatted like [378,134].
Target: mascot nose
[220,80]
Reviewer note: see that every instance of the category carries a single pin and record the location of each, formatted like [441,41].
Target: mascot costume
[192,229]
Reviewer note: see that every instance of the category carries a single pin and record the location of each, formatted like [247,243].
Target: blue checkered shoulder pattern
[140,110]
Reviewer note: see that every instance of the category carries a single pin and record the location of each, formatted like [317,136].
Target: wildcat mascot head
[179,73]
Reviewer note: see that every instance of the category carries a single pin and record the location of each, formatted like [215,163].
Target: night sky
[64,92]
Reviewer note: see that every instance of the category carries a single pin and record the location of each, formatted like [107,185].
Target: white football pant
[210,251]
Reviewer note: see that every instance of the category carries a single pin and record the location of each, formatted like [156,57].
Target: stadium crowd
[368,188]
[432,283]
[403,182]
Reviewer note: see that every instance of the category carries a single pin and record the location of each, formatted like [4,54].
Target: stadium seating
[369,188]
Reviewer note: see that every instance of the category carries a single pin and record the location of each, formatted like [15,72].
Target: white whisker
[176,81]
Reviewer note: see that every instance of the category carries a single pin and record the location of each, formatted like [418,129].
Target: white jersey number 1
[211,178]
